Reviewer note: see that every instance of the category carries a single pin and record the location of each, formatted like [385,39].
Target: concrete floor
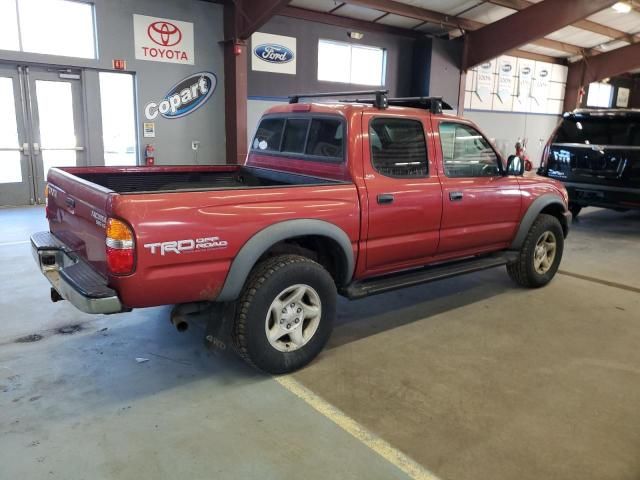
[471,377]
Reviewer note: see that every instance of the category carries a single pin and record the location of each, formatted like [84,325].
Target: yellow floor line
[394,456]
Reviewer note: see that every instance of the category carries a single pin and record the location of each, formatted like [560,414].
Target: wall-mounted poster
[540,86]
[484,81]
[273,53]
[622,100]
[525,77]
[163,40]
[506,78]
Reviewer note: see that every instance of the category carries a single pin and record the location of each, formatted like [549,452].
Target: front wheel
[540,255]
[285,314]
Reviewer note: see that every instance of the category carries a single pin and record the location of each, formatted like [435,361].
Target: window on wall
[347,63]
[52,27]
[466,153]
[599,95]
[118,118]
[398,148]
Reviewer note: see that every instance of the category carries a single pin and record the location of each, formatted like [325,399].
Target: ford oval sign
[184,97]
[273,53]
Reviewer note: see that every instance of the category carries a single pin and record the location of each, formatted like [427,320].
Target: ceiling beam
[583,24]
[450,21]
[346,22]
[526,25]
[255,13]
[594,69]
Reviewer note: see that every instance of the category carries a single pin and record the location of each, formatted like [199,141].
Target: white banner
[540,87]
[163,40]
[273,53]
[506,72]
[622,100]
[484,82]
[525,76]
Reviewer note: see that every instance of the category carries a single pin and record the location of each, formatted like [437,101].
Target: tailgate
[76,210]
[601,165]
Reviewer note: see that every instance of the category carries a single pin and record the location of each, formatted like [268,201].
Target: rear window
[398,147]
[313,138]
[599,131]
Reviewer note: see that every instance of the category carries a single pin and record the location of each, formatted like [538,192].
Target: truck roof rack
[433,104]
[380,100]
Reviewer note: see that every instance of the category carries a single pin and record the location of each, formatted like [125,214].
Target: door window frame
[499,160]
[425,137]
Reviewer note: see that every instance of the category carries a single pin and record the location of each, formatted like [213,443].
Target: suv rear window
[599,131]
[313,138]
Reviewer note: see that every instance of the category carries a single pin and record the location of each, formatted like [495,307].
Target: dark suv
[596,154]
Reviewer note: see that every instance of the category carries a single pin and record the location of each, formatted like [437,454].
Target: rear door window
[398,147]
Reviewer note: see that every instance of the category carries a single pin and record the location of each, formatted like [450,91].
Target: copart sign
[163,40]
[184,97]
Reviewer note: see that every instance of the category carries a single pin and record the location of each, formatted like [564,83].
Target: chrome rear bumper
[74,279]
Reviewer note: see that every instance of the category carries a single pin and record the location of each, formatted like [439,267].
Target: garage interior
[466,378]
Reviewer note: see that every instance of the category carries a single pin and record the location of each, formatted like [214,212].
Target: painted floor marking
[7,244]
[394,456]
[600,281]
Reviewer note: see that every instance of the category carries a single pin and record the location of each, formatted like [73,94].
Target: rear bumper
[587,194]
[73,278]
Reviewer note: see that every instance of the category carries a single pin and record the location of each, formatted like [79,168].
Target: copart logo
[273,53]
[164,33]
[186,246]
[184,97]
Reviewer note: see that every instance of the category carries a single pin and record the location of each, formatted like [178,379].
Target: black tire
[522,271]
[575,210]
[267,280]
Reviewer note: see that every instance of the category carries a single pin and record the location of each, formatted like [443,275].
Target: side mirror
[515,166]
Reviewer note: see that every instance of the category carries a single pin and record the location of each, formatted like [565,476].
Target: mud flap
[219,326]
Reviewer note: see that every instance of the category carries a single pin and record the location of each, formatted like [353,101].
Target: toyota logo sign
[163,40]
[164,33]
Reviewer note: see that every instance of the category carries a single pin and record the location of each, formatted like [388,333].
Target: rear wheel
[540,255]
[285,314]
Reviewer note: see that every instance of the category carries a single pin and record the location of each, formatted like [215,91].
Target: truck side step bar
[409,278]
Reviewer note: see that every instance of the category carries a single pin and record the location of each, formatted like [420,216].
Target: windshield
[599,131]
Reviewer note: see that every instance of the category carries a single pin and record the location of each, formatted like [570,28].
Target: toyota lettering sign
[163,40]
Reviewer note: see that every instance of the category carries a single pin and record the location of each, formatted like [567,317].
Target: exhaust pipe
[180,314]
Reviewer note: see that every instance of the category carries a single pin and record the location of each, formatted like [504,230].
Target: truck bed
[154,179]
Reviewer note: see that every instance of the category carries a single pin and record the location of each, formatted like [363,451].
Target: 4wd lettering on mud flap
[186,246]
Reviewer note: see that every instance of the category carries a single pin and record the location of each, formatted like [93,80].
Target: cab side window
[398,147]
[466,153]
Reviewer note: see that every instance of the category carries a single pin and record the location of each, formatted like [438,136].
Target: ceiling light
[622,7]
[355,35]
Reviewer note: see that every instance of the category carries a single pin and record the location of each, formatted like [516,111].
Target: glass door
[16,174]
[55,100]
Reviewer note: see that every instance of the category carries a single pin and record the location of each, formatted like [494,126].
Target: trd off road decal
[184,97]
[188,245]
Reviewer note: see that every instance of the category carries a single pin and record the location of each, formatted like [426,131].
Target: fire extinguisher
[149,155]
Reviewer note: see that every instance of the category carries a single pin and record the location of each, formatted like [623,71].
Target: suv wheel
[285,314]
[540,255]
[574,209]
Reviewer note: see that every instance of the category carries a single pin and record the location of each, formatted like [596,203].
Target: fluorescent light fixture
[622,7]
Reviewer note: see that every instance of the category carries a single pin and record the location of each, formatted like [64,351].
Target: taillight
[120,247]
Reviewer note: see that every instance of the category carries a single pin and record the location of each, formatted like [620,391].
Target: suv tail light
[120,247]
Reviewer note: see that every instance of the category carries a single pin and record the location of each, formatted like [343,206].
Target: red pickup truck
[352,198]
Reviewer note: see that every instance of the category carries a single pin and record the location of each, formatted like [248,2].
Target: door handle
[385,198]
[455,196]
[71,203]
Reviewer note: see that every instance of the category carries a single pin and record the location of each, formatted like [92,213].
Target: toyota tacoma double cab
[348,198]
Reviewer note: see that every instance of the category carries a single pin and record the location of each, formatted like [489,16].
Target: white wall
[507,127]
